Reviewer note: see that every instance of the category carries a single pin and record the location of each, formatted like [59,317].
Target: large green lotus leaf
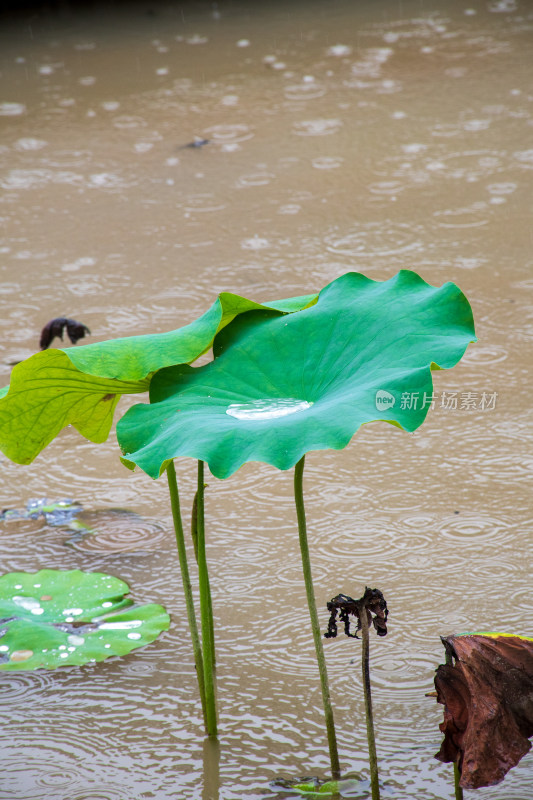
[81,386]
[54,618]
[282,386]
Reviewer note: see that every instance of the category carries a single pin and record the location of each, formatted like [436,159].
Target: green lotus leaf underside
[55,618]
[81,386]
[280,387]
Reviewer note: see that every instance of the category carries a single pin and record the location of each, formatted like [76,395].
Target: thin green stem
[205,609]
[315,625]
[456,779]
[194,525]
[365,664]
[186,580]
[211,622]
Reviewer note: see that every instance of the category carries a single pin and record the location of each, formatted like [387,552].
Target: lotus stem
[194,525]
[456,773]
[456,779]
[313,613]
[194,535]
[186,580]
[208,650]
[365,664]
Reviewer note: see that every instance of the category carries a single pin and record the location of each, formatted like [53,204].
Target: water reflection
[271,408]
[211,782]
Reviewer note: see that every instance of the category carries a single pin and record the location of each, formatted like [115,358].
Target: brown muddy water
[367,136]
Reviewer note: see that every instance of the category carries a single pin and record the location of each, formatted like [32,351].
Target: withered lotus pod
[372,602]
[487,692]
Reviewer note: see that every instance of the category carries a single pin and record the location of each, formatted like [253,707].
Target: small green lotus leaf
[81,386]
[54,618]
[282,386]
[314,787]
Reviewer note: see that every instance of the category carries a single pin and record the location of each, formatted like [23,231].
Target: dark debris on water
[56,327]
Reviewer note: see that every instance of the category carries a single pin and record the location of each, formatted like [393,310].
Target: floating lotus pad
[57,513]
[314,787]
[81,386]
[106,530]
[54,618]
[282,386]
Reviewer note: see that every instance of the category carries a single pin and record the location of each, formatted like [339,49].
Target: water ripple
[35,761]
[204,203]
[327,162]
[375,239]
[305,91]
[229,133]
[29,143]
[485,354]
[469,217]
[129,121]
[524,158]
[17,686]
[317,127]
[117,531]
[37,178]
[12,109]
[255,179]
